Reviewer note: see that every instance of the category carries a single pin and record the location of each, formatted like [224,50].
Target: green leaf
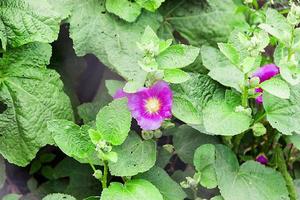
[220,68]
[132,190]
[113,85]
[223,111]
[114,121]
[26,21]
[186,140]
[125,9]
[150,5]
[116,47]
[58,197]
[189,98]
[169,189]
[175,76]
[81,183]
[277,25]
[177,56]
[72,139]
[134,156]
[250,181]
[202,23]
[33,95]
[284,114]
[204,161]
[230,52]
[289,66]
[12,197]
[276,87]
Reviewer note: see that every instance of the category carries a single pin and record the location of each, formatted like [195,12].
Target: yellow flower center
[152,105]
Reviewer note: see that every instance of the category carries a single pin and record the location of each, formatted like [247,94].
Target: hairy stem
[245,92]
[104,177]
[282,168]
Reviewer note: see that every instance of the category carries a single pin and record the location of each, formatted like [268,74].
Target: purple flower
[265,73]
[262,159]
[150,106]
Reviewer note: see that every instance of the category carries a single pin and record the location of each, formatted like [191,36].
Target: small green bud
[167,124]
[254,82]
[191,182]
[259,129]
[147,135]
[98,174]
[184,184]
[169,148]
[157,133]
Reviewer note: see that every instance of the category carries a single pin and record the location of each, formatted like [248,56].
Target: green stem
[245,92]
[259,118]
[280,162]
[237,141]
[105,173]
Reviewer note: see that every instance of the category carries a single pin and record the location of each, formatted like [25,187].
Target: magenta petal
[266,72]
[149,124]
[119,94]
[262,159]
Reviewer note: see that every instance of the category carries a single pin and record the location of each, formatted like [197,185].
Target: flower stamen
[152,105]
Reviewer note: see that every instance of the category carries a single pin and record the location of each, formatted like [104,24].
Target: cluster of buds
[191,182]
[103,148]
[148,135]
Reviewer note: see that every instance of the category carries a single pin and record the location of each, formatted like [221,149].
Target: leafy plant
[199,100]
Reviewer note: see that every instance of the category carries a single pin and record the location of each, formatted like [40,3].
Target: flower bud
[147,135]
[262,159]
[259,129]
[169,148]
[157,133]
[98,174]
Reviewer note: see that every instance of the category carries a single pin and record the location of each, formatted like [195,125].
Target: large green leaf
[114,121]
[134,156]
[222,117]
[32,95]
[250,181]
[220,68]
[132,190]
[204,22]
[72,139]
[112,40]
[26,21]
[192,96]
[167,187]
[284,114]
[186,140]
